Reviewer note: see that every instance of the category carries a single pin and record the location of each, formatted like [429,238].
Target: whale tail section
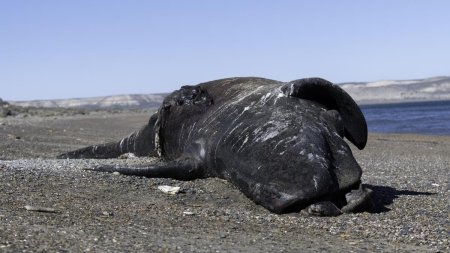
[101,151]
[333,97]
[140,143]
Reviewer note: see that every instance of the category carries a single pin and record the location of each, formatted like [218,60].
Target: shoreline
[397,102]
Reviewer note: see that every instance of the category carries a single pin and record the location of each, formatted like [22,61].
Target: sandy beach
[85,211]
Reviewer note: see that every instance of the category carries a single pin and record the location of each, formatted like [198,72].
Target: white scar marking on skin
[247,95]
[243,143]
[232,130]
[180,135]
[228,132]
[316,184]
[265,98]
[286,196]
[274,129]
[121,144]
[134,140]
[157,144]
[279,95]
[292,89]
[157,129]
[190,131]
[286,143]
[239,116]
[278,143]
[202,152]
[268,135]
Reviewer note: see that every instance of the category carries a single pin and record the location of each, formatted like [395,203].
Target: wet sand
[103,212]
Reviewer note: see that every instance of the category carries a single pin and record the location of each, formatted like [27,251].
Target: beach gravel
[49,205]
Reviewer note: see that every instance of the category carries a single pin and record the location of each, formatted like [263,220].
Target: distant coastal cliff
[396,91]
[388,91]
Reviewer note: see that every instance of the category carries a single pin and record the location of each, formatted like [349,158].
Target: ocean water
[418,117]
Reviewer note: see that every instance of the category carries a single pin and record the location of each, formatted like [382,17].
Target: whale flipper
[180,169]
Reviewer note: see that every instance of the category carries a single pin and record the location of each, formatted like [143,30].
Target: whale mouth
[352,200]
[358,200]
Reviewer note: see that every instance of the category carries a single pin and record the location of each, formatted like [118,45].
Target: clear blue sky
[83,48]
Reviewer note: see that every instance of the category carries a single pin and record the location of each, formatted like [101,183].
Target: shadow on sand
[385,195]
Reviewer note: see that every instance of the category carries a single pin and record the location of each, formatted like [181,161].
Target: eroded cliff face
[436,88]
[387,91]
[142,101]
[11,110]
